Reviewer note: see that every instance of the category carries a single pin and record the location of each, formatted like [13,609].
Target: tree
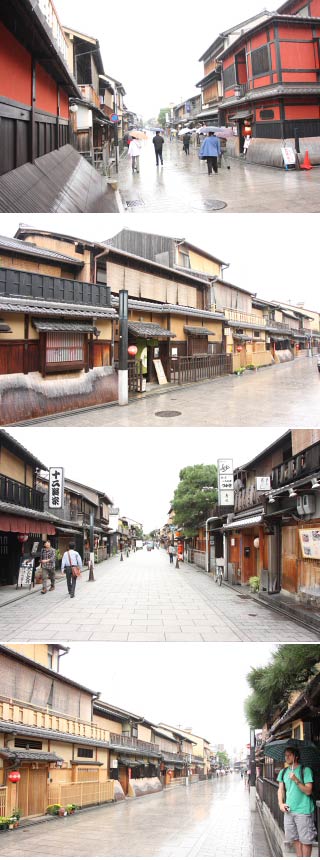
[223,758]
[162,118]
[192,503]
[290,668]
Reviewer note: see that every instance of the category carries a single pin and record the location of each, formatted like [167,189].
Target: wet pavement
[182,185]
[205,819]
[285,395]
[146,599]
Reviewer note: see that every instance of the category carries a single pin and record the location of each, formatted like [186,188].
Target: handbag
[75,570]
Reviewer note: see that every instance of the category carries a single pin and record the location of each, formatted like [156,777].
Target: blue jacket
[210,146]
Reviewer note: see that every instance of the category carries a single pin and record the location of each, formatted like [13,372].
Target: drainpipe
[209,520]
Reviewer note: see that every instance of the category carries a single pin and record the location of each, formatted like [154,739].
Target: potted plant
[53,809]
[58,559]
[254,583]
[62,812]
[4,823]
[71,808]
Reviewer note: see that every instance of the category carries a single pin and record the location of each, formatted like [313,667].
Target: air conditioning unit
[300,506]
[309,504]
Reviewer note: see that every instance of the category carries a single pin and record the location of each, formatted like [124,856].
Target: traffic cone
[306,164]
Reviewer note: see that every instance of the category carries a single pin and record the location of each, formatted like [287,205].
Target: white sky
[275,256]
[153,49]
[194,685]
[139,467]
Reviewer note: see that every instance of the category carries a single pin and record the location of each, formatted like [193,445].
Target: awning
[25,526]
[247,521]
[47,325]
[197,330]
[242,338]
[61,530]
[28,755]
[281,339]
[242,114]
[149,330]
[131,762]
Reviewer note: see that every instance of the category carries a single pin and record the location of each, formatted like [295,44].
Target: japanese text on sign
[225,483]
[56,481]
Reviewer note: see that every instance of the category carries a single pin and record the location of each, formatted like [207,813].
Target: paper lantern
[132,350]
[22,538]
[14,776]
[239,348]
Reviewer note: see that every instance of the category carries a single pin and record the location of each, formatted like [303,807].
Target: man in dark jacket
[158,142]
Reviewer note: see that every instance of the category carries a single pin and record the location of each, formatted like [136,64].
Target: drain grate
[132,203]
[169,413]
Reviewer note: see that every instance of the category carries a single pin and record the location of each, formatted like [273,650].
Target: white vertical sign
[225,483]
[56,487]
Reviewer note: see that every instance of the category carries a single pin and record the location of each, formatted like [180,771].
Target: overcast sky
[194,685]
[275,256]
[139,467]
[153,49]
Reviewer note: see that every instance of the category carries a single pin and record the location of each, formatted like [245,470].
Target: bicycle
[218,575]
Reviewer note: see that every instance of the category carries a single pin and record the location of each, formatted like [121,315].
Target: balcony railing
[29,716]
[300,466]
[243,317]
[276,324]
[89,94]
[245,499]
[268,794]
[133,743]
[19,494]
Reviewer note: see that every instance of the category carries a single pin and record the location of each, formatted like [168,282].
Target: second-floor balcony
[15,493]
[45,719]
[89,94]
[126,742]
[247,498]
[244,317]
[304,463]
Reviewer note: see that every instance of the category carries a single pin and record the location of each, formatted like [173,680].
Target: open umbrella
[225,133]
[309,753]
[206,128]
[138,135]
[184,131]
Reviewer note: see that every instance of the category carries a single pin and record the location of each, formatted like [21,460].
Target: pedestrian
[210,150]
[246,146]
[48,566]
[72,564]
[295,801]
[158,142]
[171,553]
[186,143]
[134,153]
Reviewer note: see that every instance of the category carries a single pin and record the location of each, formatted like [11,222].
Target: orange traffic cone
[306,164]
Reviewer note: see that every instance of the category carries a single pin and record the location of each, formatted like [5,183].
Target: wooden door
[123,778]
[289,558]
[248,558]
[32,790]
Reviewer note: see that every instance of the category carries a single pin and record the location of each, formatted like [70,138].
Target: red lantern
[132,350]
[22,538]
[239,348]
[14,776]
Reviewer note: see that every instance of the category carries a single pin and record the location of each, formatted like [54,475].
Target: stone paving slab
[210,818]
[193,609]
[286,395]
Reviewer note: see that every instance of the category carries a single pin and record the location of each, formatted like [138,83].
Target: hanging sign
[56,487]
[225,483]
[310,543]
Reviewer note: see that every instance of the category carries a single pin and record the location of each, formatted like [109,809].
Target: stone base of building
[146,785]
[31,396]
[268,151]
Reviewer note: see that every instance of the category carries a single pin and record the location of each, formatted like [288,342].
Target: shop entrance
[10,554]
[32,789]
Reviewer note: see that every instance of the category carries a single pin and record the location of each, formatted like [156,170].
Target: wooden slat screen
[64,347]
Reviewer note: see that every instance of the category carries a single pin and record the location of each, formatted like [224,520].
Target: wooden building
[134,758]
[36,83]
[271,83]
[90,122]
[23,518]
[274,531]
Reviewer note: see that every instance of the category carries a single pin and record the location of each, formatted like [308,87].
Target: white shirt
[75,559]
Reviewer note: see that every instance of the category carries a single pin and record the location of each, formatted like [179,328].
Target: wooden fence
[197,367]
[3,800]
[82,793]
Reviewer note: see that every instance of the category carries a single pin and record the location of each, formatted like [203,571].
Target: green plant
[239,371]
[250,367]
[254,583]
[53,809]
[16,813]
[4,823]
[71,808]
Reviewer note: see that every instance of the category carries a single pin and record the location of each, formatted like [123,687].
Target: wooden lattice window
[64,348]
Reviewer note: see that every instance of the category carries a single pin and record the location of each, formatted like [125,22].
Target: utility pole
[123,348]
[91,562]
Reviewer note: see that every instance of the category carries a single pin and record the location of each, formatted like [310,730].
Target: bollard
[121,556]
[91,575]
[177,562]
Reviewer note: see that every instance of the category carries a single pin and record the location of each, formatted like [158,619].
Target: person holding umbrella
[210,150]
[295,801]
[186,142]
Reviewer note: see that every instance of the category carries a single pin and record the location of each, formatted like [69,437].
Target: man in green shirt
[295,801]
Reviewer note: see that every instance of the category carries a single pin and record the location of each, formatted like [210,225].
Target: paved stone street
[206,819]
[183,185]
[145,599]
[286,395]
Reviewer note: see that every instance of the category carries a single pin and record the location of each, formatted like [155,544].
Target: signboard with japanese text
[263,483]
[310,542]
[225,482]
[288,155]
[56,487]
[25,572]
[226,498]
[225,467]
[161,376]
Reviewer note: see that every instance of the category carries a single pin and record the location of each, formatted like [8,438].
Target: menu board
[25,572]
[162,379]
[310,542]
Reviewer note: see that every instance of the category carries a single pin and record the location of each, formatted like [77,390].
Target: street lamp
[123,348]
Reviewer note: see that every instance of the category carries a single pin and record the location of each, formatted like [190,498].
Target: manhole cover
[169,413]
[244,596]
[132,203]
[212,205]
[252,615]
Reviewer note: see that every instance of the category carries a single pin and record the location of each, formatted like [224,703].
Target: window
[229,77]
[62,347]
[27,743]
[297,733]
[267,114]
[256,334]
[260,60]
[185,259]
[85,752]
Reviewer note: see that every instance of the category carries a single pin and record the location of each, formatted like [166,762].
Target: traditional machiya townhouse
[47,733]
[24,521]
[274,533]
[57,327]
[134,757]
[270,83]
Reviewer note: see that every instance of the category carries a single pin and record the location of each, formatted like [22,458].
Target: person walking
[210,151]
[295,801]
[186,143]
[72,564]
[171,553]
[134,153]
[48,566]
[158,142]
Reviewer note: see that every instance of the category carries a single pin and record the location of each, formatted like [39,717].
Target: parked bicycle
[218,577]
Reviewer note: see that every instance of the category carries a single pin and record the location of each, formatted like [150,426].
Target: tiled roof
[28,755]
[45,325]
[19,246]
[165,308]
[30,732]
[16,510]
[149,330]
[197,330]
[63,309]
